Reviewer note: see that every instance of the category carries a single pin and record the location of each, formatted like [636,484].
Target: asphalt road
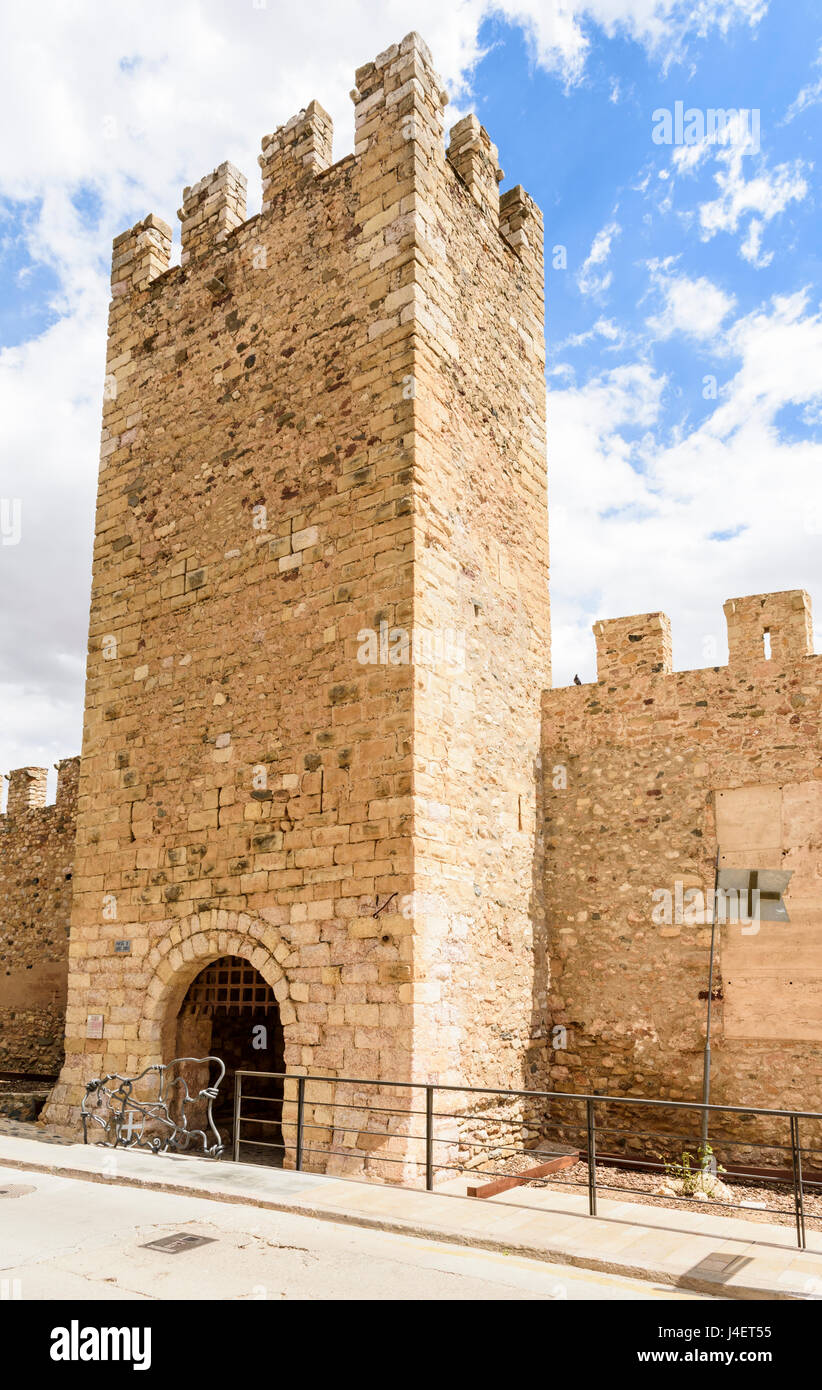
[61,1238]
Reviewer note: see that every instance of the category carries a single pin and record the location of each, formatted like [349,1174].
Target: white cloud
[687,157]
[811,95]
[593,422]
[603,328]
[762,197]
[560,28]
[589,279]
[751,247]
[696,308]
[50,408]
[634,524]
[744,205]
[781,352]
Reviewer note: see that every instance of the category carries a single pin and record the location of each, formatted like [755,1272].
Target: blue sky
[585,152]
[684,332]
[678,281]
[611,128]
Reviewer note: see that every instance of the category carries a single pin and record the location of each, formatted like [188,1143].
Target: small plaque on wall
[94,1026]
[122,948]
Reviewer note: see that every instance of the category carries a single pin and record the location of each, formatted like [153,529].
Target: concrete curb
[444,1233]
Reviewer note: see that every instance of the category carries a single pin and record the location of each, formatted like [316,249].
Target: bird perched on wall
[577,680]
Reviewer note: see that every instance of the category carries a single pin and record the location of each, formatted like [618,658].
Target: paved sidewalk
[698,1251]
[67,1238]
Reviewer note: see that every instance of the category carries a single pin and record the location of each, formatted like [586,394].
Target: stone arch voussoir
[172,964]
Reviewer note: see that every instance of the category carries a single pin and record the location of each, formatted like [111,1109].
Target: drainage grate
[16,1189]
[174,1245]
[720,1263]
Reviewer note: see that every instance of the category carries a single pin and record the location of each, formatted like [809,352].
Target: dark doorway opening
[230,1012]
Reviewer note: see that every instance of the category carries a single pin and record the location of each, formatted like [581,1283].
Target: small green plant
[698,1173]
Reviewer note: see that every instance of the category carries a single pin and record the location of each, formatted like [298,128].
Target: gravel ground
[748,1196]
[748,1200]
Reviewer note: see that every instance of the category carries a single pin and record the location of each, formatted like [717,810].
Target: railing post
[798,1194]
[300,1115]
[592,1159]
[238,1087]
[429,1138]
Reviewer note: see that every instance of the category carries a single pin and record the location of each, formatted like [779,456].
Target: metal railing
[295,1101]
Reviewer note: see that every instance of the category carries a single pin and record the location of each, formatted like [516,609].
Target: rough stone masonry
[319,733]
[648,773]
[36,857]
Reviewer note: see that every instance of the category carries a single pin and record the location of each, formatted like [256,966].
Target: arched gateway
[211,983]
[229,1011]
[220,990]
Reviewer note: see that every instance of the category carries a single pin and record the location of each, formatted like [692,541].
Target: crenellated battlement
[296,151]
[211,209]
[776,627]
[401,81]
[27,787]
[399,99]
[68,777]
[521,222]
[475,158]
[762,628]
[627,647]
[139,255]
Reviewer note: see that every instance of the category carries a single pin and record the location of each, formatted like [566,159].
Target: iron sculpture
[140,1123]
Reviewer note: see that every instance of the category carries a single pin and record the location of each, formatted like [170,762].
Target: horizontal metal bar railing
[340,1104]
[504,1149]
[503,1143]
[563,1123]
[534,1095]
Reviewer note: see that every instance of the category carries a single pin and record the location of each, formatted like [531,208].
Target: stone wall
[323,439]
[482,570]
[36,858]
[645,772]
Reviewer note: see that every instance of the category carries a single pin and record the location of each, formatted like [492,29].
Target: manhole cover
[16,1189]
[174,1245]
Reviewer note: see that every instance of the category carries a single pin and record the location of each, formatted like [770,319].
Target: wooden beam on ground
[540,1170]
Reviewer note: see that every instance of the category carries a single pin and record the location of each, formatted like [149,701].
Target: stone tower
[319,616]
